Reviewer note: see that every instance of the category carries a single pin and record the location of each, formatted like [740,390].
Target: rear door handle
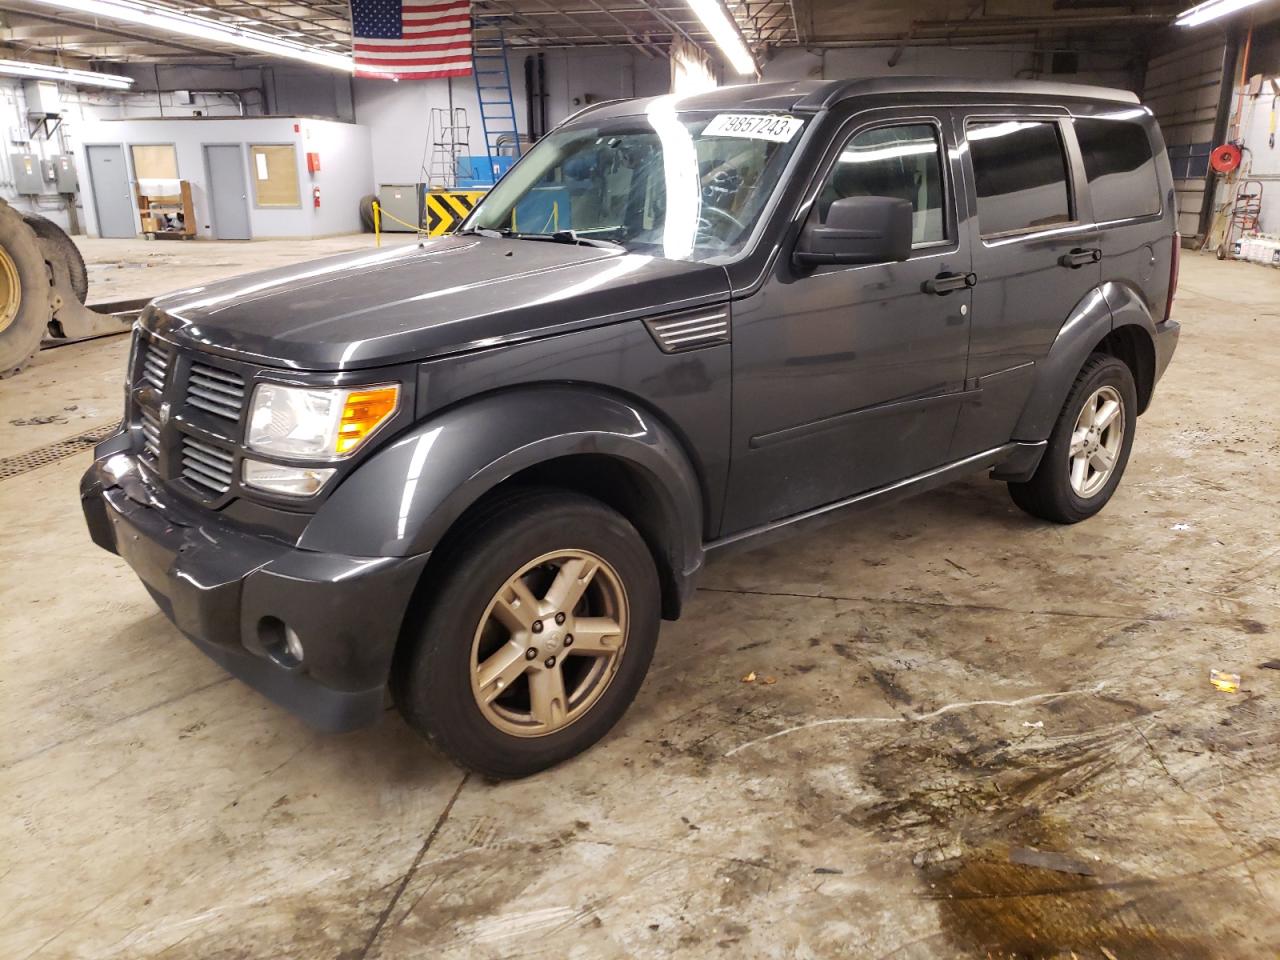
[945,283]
[1080,257]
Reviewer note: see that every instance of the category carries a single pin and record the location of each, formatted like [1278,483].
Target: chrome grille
[206,465]
[219,392]
[686,332]
[155,365]
[150,434]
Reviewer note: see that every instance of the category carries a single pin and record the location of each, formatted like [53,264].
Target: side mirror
[858,230]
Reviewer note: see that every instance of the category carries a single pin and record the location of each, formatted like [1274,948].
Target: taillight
[1174,262]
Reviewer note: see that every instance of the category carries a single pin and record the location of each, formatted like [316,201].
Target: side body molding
[1089,322]
[401,502]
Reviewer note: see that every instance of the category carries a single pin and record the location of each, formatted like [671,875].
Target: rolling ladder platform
[493,88]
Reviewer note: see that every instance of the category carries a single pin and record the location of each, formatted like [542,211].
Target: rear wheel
[537,637]
[26,299]
[1088,448]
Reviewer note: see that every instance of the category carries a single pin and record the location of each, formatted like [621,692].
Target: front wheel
[537,637]
[1088,448]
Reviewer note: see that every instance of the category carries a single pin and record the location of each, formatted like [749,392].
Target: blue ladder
[493,88]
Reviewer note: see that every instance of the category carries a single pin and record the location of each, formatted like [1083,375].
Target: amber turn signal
[363,412]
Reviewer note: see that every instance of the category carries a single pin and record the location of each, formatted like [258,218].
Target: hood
[425,300]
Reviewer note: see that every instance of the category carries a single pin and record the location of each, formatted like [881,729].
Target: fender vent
[691,330]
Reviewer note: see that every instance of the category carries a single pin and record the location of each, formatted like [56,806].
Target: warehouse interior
[939,729]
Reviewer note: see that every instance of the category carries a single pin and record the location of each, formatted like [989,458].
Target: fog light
[280,641]
[286,480]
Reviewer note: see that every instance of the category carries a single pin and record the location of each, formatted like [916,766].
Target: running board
[900,490]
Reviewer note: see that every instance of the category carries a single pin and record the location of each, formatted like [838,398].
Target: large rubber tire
[66,250]
[366,212]
[20,338]
[431,679]
[1049,494]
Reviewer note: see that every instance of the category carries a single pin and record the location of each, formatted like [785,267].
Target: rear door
[1035,257]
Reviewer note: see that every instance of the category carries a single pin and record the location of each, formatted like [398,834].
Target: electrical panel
[65,178]
[26,172]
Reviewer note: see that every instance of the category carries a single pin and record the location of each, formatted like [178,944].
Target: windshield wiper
[483,232]
[572,236]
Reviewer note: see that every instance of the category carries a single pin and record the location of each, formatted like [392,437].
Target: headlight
[317,423]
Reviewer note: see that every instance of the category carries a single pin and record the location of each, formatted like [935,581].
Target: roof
[811,96]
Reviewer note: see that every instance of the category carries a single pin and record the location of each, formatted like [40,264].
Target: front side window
[1020,175]
[683,186]
[1120,167]
[901,161]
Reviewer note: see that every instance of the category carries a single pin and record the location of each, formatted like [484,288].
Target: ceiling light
[725,33]
[183,24]
[84,78]
[1211,10]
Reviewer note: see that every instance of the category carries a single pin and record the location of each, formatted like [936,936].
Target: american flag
[420,40]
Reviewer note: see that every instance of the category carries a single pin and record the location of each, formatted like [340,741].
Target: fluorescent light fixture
[725,33]
[157,17]
[1211,10]
[44,71]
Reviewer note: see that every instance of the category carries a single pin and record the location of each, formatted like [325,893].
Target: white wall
[397,114]
[346,167]
[1261,160]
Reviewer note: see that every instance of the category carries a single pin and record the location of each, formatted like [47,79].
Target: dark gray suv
[479,470]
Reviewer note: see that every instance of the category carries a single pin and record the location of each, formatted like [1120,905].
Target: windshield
[682,186]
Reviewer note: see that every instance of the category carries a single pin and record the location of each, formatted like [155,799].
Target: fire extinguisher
[315,197]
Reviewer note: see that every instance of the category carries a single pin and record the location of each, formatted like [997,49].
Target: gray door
[847,378]
[112,198]
[228,191]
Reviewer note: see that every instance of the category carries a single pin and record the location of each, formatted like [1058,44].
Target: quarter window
[901,161]
[1020,175]
[1120,167]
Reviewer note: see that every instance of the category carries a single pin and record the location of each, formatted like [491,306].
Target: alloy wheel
[1096,441]
[549,643]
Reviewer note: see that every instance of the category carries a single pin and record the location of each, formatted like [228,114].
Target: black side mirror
[858,230]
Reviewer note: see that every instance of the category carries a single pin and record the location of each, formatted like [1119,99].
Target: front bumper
[230,591]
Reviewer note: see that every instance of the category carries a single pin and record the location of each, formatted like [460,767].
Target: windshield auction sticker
[753,126]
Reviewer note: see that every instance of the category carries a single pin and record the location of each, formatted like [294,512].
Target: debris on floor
[1226,682]
[40,421]
[1038,725]
[1269,665]
[1181,526]
[1048,860]
[750,677]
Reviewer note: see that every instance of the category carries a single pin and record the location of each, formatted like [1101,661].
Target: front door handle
[1080,257]
[945,283]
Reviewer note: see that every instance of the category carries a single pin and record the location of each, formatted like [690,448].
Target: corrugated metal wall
[1184,86]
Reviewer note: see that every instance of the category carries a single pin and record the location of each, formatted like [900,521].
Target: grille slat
[150,434]
[219,392]
[206,465]
[155,365]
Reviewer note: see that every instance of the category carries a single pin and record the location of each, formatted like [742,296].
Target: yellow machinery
[43,284]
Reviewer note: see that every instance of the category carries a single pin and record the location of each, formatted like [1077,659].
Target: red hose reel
[1225,158]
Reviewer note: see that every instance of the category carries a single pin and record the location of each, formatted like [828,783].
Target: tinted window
[901,162]
[1020,173]
[1120,168]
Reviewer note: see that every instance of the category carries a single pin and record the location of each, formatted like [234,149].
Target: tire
[1052,492]
[66,249]
[435,681]
[26,299]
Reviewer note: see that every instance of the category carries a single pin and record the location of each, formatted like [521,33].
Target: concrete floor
[954,683]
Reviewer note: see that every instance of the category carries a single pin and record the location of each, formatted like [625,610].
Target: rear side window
[1120,167]
[1020,175]
[901,161]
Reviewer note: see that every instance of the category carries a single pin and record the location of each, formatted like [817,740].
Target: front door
[112,199]
[847,378]
[1035,257]
[228,194]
